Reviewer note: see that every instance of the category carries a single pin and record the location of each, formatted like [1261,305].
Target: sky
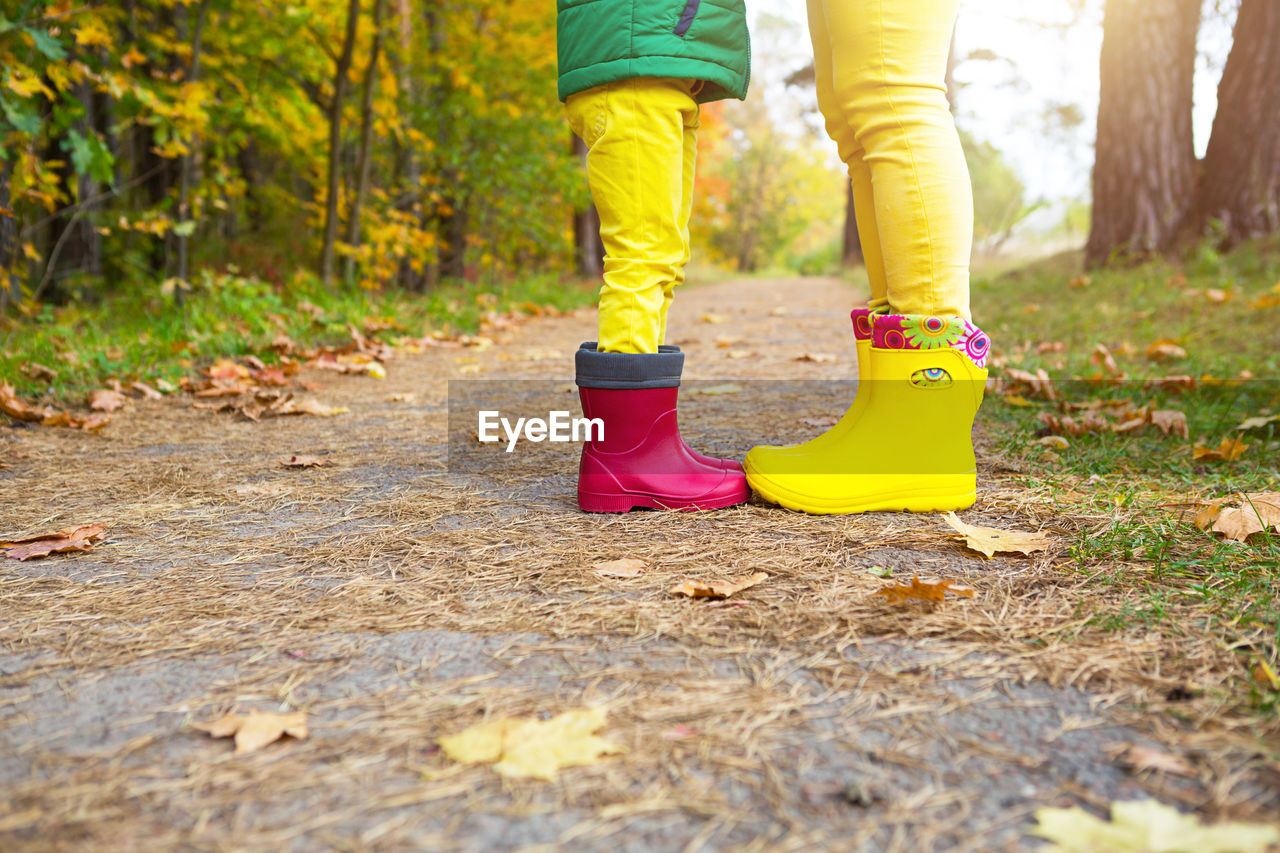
[1049,55]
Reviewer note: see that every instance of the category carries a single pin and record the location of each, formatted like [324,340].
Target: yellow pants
[881,71]
[641,137]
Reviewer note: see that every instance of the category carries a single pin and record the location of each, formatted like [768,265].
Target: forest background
[157,148]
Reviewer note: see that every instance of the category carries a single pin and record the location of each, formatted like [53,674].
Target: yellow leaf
[93,33]
[714,318]
[25,87]
[702,589]
[256,729]
[1147,826]
[989,540]
[524,748]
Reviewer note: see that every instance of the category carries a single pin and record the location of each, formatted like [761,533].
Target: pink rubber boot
[713,461]
[641,460]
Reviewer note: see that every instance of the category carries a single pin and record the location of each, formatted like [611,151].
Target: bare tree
[1144,175]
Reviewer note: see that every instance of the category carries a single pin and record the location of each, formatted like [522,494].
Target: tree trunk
[851,250]
[1144,174]
[586,229]
[186,166]
[408,177]
[1240,181]
[364,158]
[340,72]
[10,285]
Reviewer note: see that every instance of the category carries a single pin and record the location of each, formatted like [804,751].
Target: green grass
[145,334]
[1170,576]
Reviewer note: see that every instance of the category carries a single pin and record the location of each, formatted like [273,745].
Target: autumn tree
[1145,169]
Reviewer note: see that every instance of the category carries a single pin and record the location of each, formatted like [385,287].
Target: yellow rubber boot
[771,454]
[910,447]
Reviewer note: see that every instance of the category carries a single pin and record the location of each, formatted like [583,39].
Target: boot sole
[625,503]
[924,498]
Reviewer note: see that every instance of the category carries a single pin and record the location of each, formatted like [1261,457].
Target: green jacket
[602,41]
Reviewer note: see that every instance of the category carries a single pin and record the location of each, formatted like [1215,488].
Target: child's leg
[850,152]
[690,170]
[888,70]
[635,135]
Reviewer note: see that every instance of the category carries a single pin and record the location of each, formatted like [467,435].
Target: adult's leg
[889,60]
[851,152]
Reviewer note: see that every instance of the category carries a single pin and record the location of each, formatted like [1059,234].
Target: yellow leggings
[642,149]
[881,70]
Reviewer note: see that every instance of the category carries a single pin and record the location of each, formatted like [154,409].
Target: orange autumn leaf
[64,541]
[721,589]
[1228,450]
[933,589]
[257,729]
[1166,350]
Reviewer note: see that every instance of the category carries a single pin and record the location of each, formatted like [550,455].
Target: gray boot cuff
[628,370]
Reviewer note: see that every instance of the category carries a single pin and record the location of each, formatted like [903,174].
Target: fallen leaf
[1017,400]
[1068,425]
[726,341]
[1270,299]
[1103,358]
[1228,450]
[623,568]
[1138,758]
[103,400]
[721,589]
[1179,383]
[739,353]
[815,357]
[1208,515]
[1259,422]
[880,571]
[18,409]
[257,729]
[1147,826]
[1265,676]
[1054,442]
[1080,281]
[780,311]
[1218,296]
[38,371]
[820,423]
[402,398]
[1166,350]
[146,390]
[989,540]
[1038,384]
[523,748]
[714,319]
[1046,347]
[1256,512]
[924,590]
[305,462]
[1170,422]
[69,539]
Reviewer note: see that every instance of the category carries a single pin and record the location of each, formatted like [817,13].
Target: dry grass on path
[397,601]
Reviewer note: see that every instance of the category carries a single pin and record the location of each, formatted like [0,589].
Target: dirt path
[397,598]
